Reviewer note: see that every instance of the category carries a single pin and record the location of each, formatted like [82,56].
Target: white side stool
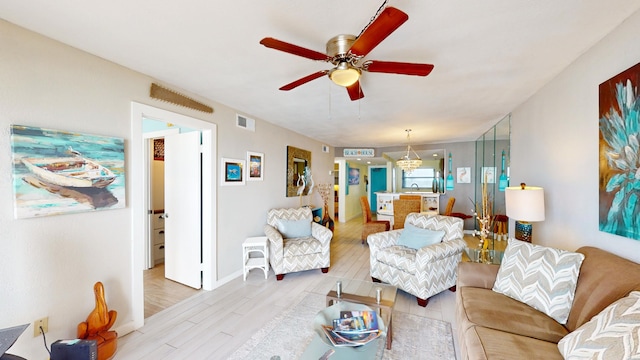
[258,244]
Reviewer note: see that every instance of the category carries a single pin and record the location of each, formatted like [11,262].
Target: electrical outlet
[44,323]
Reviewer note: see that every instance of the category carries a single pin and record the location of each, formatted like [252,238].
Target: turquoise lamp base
[523,231]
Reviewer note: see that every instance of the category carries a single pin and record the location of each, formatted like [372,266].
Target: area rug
[288,334]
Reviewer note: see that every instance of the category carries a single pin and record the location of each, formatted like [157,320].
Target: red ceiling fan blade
[304,80]
[398,68]
[355,91]
[387,22]
[293,49]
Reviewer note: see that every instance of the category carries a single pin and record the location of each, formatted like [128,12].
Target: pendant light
[406,163]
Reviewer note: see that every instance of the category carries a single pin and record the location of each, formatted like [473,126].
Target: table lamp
[525,204]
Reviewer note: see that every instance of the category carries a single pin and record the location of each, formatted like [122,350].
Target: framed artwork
[59,172]
[488,174]
[354,176]
[158,149]
[463,175]
[619,180]
[255,166]
[232,171]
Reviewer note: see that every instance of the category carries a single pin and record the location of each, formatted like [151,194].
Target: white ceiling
[489,56]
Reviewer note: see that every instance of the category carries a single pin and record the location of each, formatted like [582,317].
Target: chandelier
[406,163]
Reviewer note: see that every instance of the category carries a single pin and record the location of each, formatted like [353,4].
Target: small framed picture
[255,166]
[488,175]
[464,175]
[232,171]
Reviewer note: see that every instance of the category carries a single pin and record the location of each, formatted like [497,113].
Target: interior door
[183,239]
[378,183]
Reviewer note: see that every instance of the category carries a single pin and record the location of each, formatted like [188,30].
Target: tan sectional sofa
[494,326]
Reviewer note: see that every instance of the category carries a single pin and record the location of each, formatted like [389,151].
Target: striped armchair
[288,255]
[423,272]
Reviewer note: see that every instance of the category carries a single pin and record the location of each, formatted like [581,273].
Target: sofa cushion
[294,228]
[612,334]
[490,309]
[541,277]
[416,238]
[399,257]
[483,343]
[301,246]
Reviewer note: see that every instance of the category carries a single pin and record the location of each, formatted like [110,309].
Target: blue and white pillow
[291,229]
[416,238]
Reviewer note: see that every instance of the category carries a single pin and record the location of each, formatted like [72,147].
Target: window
[423,177]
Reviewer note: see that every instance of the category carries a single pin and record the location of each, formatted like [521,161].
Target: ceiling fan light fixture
[344,74]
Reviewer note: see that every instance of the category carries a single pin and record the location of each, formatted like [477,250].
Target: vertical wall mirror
[297,161]
[491,166]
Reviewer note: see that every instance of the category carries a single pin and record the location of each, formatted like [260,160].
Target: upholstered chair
[421,270]
[402,208]
[296,242]
[371,226]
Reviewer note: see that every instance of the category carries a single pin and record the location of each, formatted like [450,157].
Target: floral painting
[58,172]
[619,182]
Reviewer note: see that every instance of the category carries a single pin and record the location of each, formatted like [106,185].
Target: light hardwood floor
[213,324]
[161,293]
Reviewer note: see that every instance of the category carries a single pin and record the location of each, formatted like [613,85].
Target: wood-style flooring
[161,293]
[213,324]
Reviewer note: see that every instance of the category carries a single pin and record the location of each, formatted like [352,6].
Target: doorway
[139,200]
[378,182]
[161,288]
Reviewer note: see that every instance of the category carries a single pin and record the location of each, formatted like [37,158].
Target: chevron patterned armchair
[296,242]
[422,272]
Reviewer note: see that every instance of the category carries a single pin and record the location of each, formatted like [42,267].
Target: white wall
[48,265]
[554,144]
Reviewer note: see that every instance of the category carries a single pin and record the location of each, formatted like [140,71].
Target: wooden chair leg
[325,270]
[422,302]
[279,277]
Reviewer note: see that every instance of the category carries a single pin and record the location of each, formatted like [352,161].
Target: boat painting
[72,172]
[59,172]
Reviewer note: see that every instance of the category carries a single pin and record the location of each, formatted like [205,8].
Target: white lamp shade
[525,204]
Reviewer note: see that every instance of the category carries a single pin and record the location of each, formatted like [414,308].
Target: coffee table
[365,293]
[360,292]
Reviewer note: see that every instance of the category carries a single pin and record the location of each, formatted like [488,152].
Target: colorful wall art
[59,172]
[255,165]
[354,176]
[232,171]
[619,181]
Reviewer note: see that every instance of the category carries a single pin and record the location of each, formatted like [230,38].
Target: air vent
[245,122]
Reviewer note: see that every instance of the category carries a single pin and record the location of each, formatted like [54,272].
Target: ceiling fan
[346,51]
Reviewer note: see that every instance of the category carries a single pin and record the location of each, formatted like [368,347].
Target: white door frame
[137,195]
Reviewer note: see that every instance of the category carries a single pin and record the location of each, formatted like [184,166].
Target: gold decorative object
[160,93]
[483,214]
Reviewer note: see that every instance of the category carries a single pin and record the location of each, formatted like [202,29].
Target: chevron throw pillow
[612,334]
[541,277]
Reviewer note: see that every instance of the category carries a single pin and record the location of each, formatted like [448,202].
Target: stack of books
[353,328]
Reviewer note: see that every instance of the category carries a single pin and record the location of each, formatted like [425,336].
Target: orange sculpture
[98,324]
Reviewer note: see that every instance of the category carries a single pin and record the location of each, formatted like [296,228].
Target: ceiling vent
[245,122]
